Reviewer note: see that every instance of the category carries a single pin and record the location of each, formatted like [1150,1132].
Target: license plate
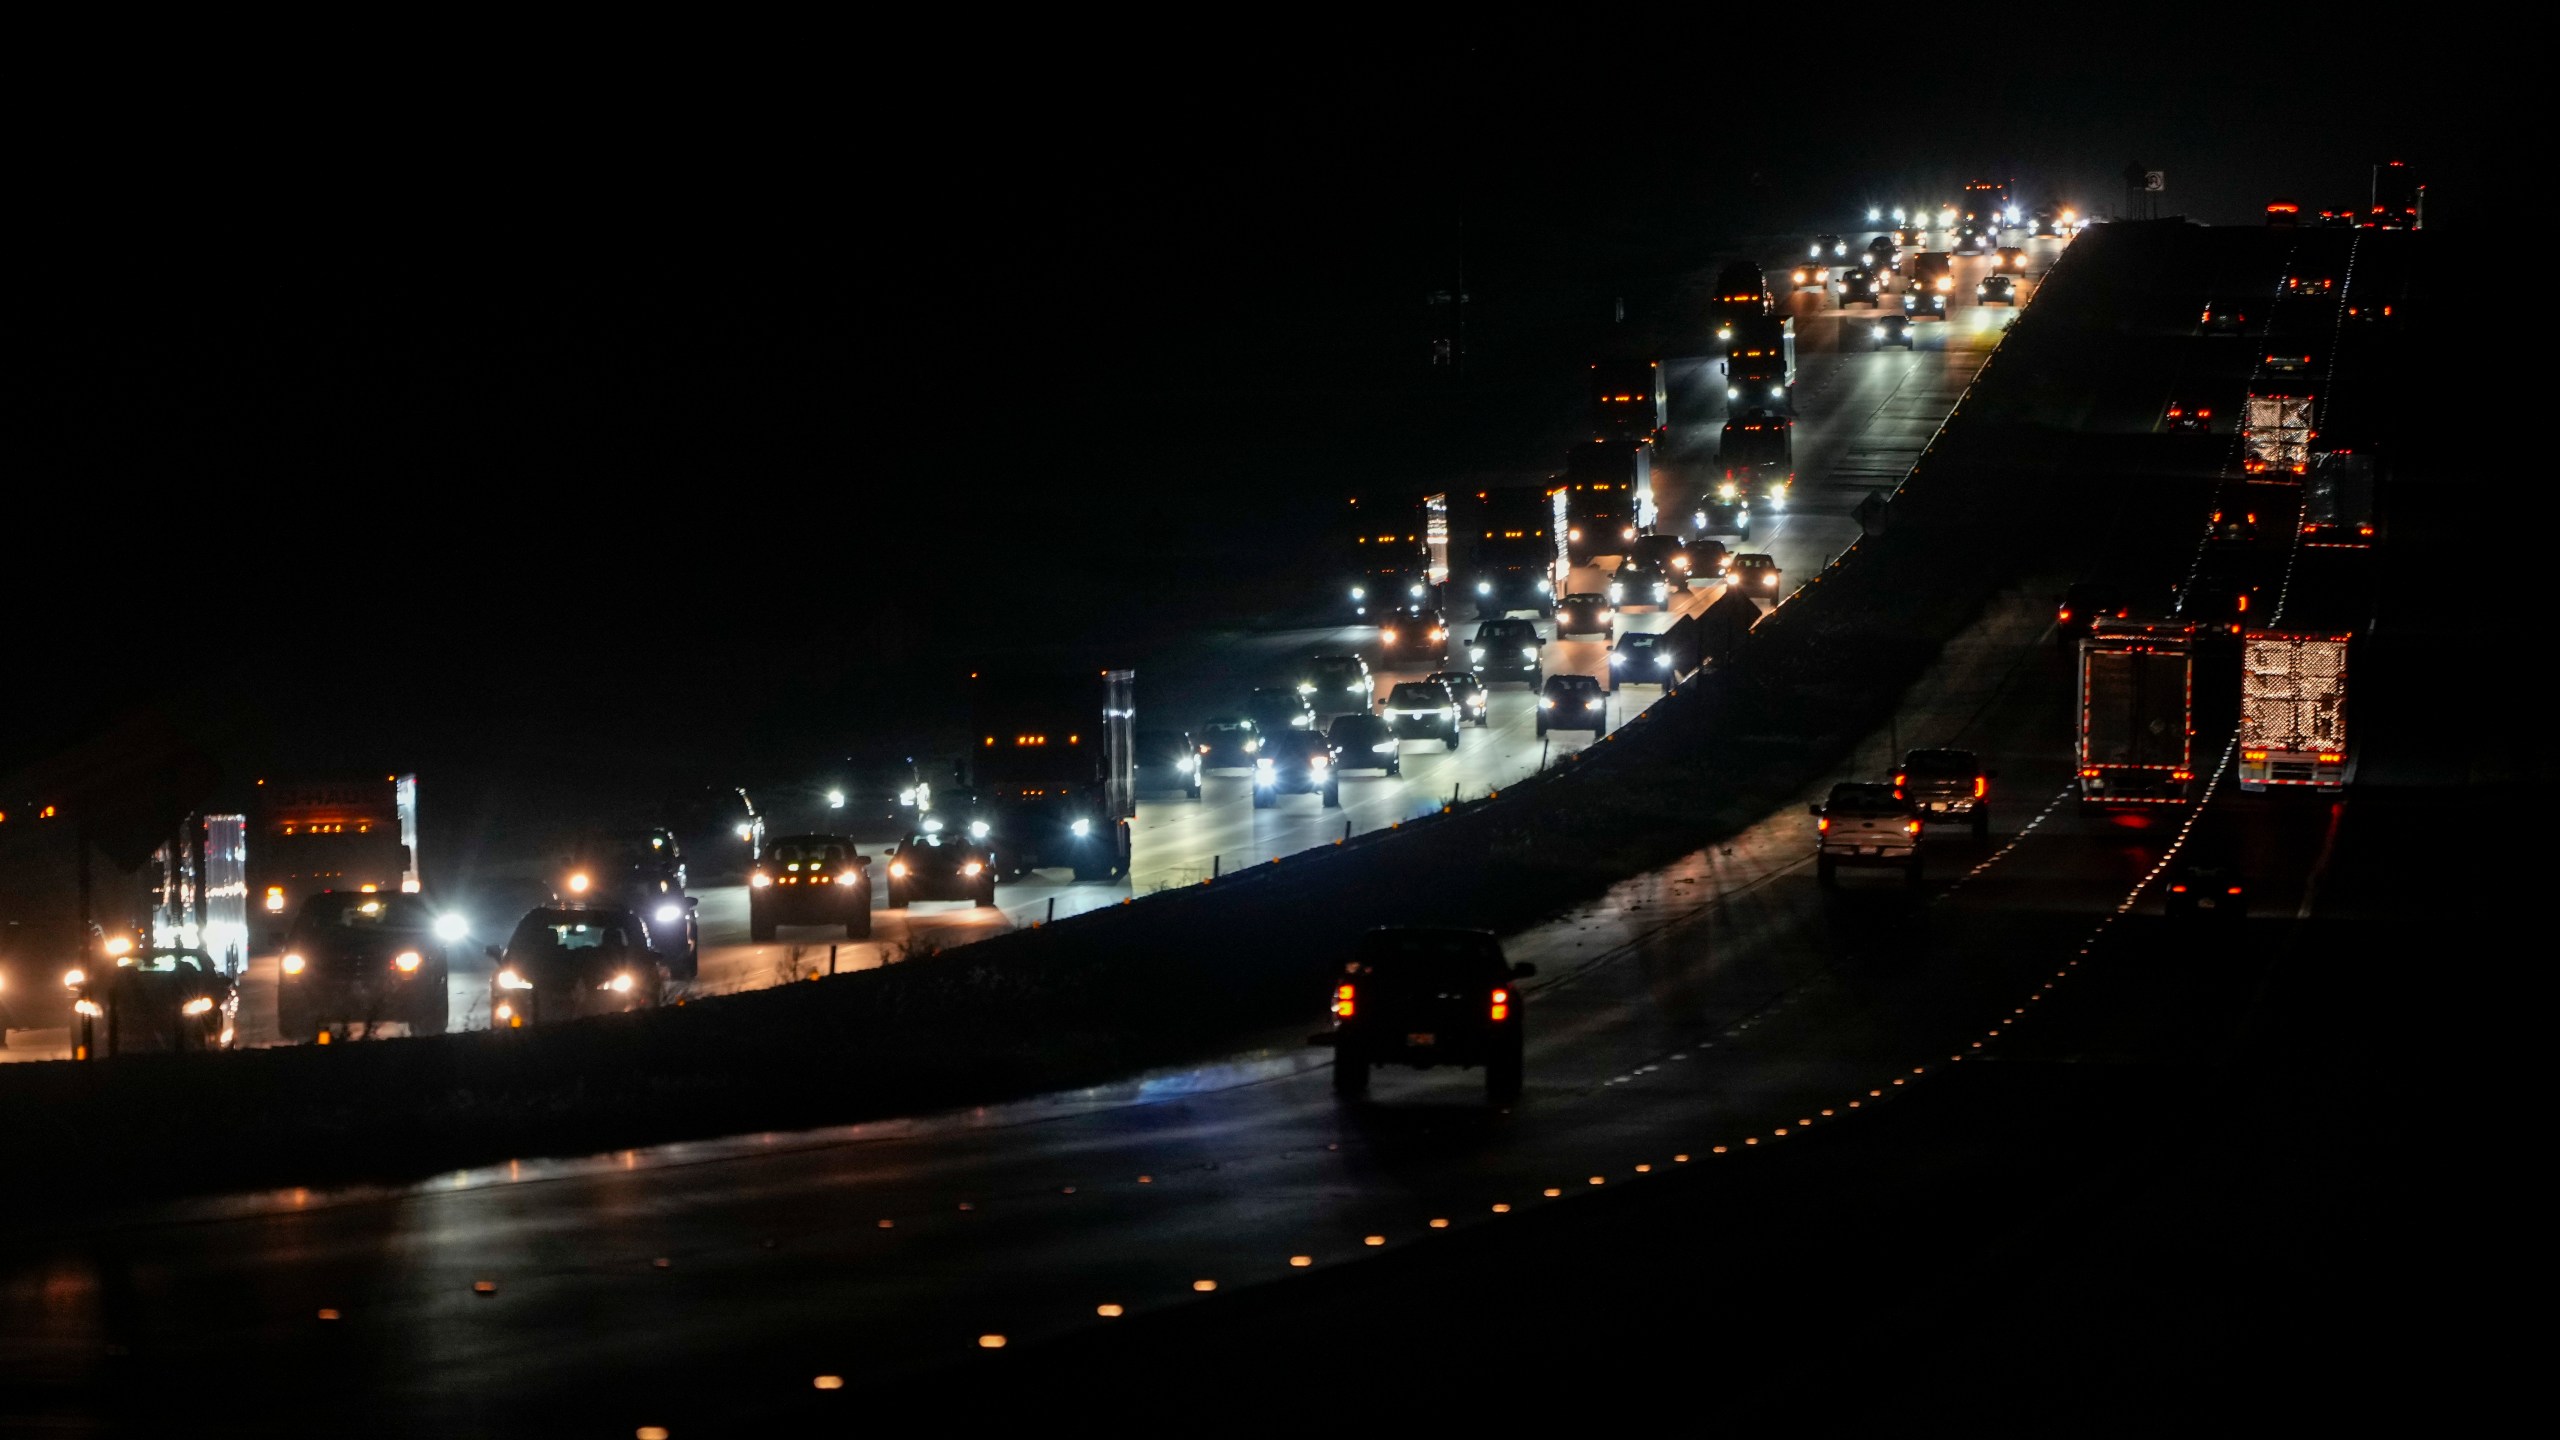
[2203,904]
[1866,849]
[1938,805]
[1421,1038]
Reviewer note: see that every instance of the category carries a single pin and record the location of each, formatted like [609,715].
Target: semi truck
[2137,713]
[2337,500]
[307,836]
[2293,710]
[1387,557]
[2276,434]
[1514,560]
[1605,499]
[1760,365]
[1758,459]
[1629,400]
[1053,774]
[1742,291]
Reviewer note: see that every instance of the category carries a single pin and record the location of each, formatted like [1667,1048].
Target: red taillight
[2330,759]
[2064,617]
[2177,889]
[2234,890]
[1821,824]
[1501,1004]
[1342,1001]
[1981,786]
[1911,826]
[1900,776]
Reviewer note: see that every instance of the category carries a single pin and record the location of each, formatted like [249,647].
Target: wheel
[687,965]
[1981,823]
[1395,771]
[1542,728]
[760,927]
[294,1023]
[1333,795]
[1263,799]
[1502,1077]
[859,927]
[1546,612]
[1120,851]
[1350,1073]
[1193,790]
[1456,734]
[897,901]
[1827,871]
[430,1016]
[1600,730]
[1537,680]
[986,895]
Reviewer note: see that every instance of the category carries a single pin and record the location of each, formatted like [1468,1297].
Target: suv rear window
[1432,958]
[1940,762]
[1862,796]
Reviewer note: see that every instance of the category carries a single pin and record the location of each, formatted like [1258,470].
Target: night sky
[687,400]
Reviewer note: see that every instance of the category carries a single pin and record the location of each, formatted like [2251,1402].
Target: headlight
[1475,652]
[119,945]
[73,979]
[578,884]
[1187,764]
[835,799]
[1318,762]
[1732,392]
[1546,587]
[1306,687]
[1358,593]
[1728,491]
[291,964]
[1082,828]
[898,868]
[407,962]
[1302,722]
[1484,587]
[971,867]
[1616,591]
[977,829]
[1574,533]
[508,979]
[451,928]
[1383,747]
[1252,745]
[1546,704]
[1354,689]
[1770,580]
[1662,662]
[1617,659]
[1263,766]
[1415,592]
[275,898]
[907,796]
[670,914]
[849,877]
[1528,652]
[1626,532]
[1591,704]
[620,984]
[759,880]
[1386,634]
[87,1007]
[198,1006]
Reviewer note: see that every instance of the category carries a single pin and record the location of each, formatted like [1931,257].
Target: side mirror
[493,952]
[691,903]
[1522,970]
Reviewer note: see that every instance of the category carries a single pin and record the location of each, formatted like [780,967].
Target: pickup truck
[1865,824]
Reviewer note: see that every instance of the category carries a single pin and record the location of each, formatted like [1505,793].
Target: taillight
[2177,889]
[1911,827]
[1821,823]
[2063,617]
[2329,759]
[1501,1004]
[2234,890]
[1342,1001]
[1981,786]
[1899,777]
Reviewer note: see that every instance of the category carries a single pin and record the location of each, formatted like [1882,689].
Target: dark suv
[1573,702]
[943,864]
[1464,688]
[1947,785]
[361,959]
[1425,710]
[1336,685]
[1507,650]
[1864,824]
[568,961]
[1427,997]
[1229,742]
[809,880]
[1641,580]
[1295,762]
[1170,760]
[1276,710]
[1586,612]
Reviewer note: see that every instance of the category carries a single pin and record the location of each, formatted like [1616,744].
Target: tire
[986,897]
[295,1024]
[431,1017]
[1122,851]
[1396,771]
[1826,871]
[1537,681]
[1456,734]
[1600,731]
[1350,1073]
[1542,729]
[1333,795]
[1193,790]
[859,927]
[898,900]
[1264,799]
[1502,1076]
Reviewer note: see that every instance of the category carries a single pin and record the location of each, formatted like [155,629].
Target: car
[2225,319]
[878,794]
[153,999]
[1724,514]
[1643,657]
[36,958]
[1859,285]
[1863,824]
[1639,580]
[567,962]
[1827,247]
[2201,891]
[1971,239]
[945,862]
[1365,742]
[1507,649]
[1919,299]
[1465,688]
[812,879]
[1671,552]
[2084,604]
[1299,762]
[1708,558]
[1757,576]
[1229,742]
[1812,275]
[1336,685]
[1893,330]
[1947,785]
[357,958]
[1573,702]
[1884,252]
[1415,637]
[2292,362]
[2184,419]
[1997,290]
[1275,709]
[646,873]
[1426,710]
[1586,612]
[1426,997]
[2044,224]
[1169,760]
[2009,260]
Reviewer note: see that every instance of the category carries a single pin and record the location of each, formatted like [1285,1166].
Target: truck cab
[1425,998]
[1055,770]
[1757,461]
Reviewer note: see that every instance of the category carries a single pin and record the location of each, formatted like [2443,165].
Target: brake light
[2064,617]
[2253,754]
[1821,824]
[2234,890]
[1342,1001]
[1899,777]
[1981,786]
[2177,889]
[2327,758]
[1501,1004]
[1911,827]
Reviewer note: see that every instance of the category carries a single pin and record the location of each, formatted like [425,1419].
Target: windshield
[1229,727]
[1410,695]
[1939,762]
[1507,630]
[170,962]
[1578,600]
[1639,641]
[815,852]
[1864,797]
[1433,959]
[583,933]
